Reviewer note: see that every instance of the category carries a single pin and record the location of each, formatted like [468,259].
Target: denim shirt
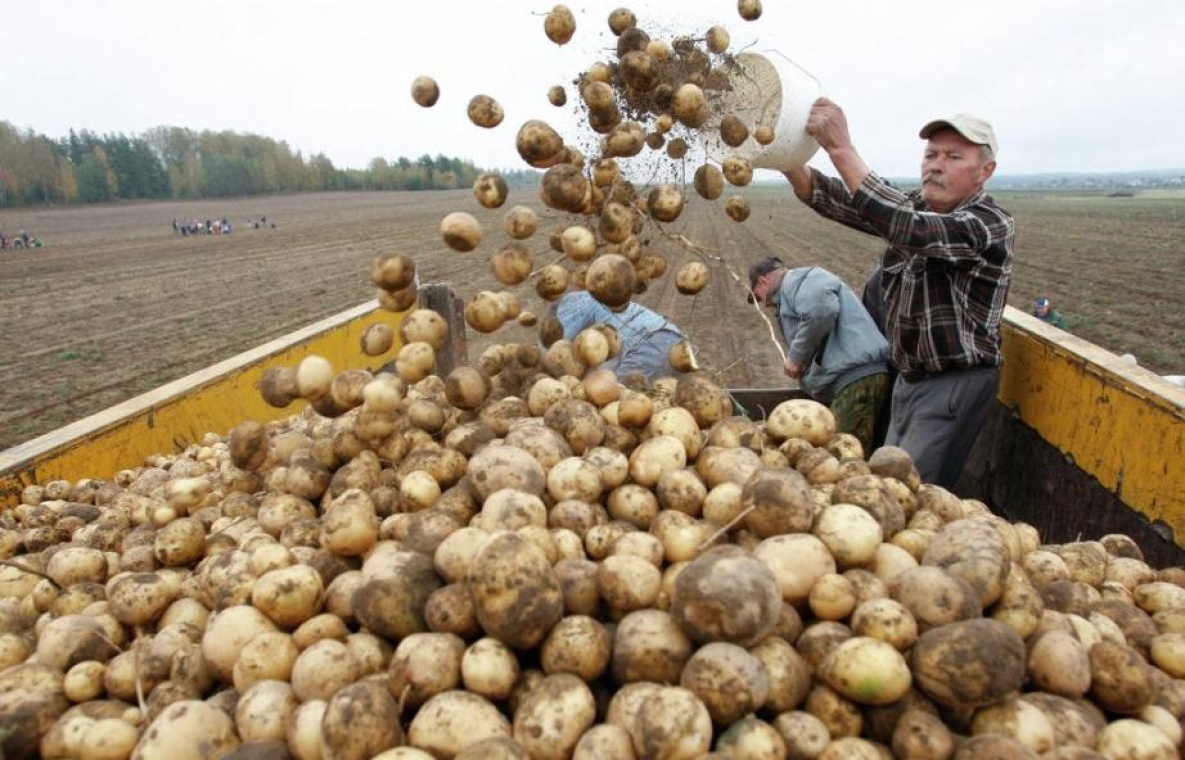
[646,336]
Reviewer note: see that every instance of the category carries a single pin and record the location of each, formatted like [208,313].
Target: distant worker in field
[944,281]
[1044,311]
[646,336]
[833,346]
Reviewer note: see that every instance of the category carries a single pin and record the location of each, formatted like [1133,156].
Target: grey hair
[986,152]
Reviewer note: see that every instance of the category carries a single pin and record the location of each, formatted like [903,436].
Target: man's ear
[987,171]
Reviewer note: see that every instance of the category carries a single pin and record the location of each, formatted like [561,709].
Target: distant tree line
[174,162]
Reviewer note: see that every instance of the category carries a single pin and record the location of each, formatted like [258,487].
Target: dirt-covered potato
[1120,679]
[188,729]
[555,714]
[649,646]
[1133,738]
[934,597]
[973,550]
[777,502]
[970,663]
[673,722]
[448,723]
[290,595]
[851,534]
[737,171]
[728,595]
[485,112]
[709,182]
[516,595]
[425,91]
[802,418]
[424,665]
[729,681]
[539,145]
[611,279]
[461,231]
[559,25]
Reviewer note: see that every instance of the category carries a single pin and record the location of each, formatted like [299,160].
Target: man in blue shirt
[646,336]
[834,348]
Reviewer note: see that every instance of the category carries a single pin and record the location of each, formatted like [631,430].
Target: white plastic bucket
[766,89]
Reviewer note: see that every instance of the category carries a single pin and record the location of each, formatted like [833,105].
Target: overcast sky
[1070,85]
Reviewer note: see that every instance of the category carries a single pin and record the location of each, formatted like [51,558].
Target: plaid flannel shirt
[945,278]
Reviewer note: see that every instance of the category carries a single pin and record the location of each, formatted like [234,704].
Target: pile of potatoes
[650,100]
[561,567]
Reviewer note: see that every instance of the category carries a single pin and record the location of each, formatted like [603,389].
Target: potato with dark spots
[728,595]
[968,664]
[516,595]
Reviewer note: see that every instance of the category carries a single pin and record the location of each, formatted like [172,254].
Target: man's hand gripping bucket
[766,89]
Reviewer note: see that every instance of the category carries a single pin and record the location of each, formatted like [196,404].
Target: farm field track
[115,305]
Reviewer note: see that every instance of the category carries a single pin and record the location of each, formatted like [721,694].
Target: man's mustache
[933,179]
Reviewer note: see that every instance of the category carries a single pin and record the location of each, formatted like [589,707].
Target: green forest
[174,162]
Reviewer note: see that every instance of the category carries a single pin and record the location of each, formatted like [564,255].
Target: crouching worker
[646,336]
[834,349]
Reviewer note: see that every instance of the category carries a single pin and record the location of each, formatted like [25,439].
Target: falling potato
[717,39]
[393,272]
[605,172]
[483,312]
[527,318]
[764,135]
[377,339]
[681,357]
[539,145]
[552,282]
[512,263]
[632,39]
[425,91]
[556,96]
[460,231]
[559,25]
[597,95]
[709,182]
[564,188]
[737,208]
[485,112]
[733,131]
[617,222]
[490,190]
[688,104]
[750,10]
[579,243]
[659,49]
[665,203]
[737,171]
[520,222]
[639,70]
[677,148]
[621,19]
[625,140]
[611,279]
[691,278]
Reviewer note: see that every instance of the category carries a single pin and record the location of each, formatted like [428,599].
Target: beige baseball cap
[971,127]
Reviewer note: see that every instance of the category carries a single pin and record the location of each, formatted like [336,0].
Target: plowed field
[115,304]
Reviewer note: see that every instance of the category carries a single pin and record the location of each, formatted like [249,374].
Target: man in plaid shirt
[945,277]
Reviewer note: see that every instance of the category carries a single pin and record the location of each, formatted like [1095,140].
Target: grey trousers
[936,420]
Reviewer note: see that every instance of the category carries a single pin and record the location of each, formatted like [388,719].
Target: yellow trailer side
[171,417]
